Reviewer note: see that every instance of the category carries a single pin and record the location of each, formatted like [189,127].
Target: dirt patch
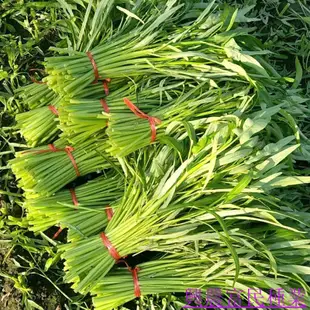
[10,297]
[44,294]
[41,291]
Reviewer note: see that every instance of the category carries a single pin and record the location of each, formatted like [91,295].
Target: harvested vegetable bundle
[82,118]
[127,221]
[145,49]
[82,34]
[175,273]
[205,189]
[218,164]
[36,95]
[211,268]
[85,209]
[39,126]
[43,171]
[130,132]
[136,129]
[86,67]
[252,252]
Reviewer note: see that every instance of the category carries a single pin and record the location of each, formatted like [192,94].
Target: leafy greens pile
[192,136]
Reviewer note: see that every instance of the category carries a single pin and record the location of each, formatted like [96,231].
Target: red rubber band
[33,79]
[152,120]
[53,148]
[57,233]
[67,149]
[73,196]
[134,272]
[105,106]
[75,202]
[109,212]
[107,243]
[53,110]
[105,83]
[96,72]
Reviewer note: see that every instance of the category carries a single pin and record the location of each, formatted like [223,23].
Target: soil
[10,297]
[42,292]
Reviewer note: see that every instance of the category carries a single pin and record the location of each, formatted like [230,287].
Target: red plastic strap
[105,83]
[152,120]
[107,243]
[53,148]
[69,150]
[105,106]
[106,90]
[75,202]
[96,72]
[109,212]
[33,79]
[53,110]
[73,196]
[57,233]
[134,272]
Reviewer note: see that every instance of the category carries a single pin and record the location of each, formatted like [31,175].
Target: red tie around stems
[53,110]
[103,101]
[105,106]
[57,233]
[107,243]
[109,212]
[67,149]
[75,202]
[134,272]
[152,120]
[33,79]
[105,83]
[53,148]
[96,72]
[135,278]
[73,196]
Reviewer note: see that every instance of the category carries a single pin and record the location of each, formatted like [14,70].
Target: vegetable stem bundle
[192,132]
[84,209]
[165,275]
[212,268]
[88,260]
[141,217]
[128,131]
[43,171]
[39,126]
[143,50]
[82,118]
[36,95]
